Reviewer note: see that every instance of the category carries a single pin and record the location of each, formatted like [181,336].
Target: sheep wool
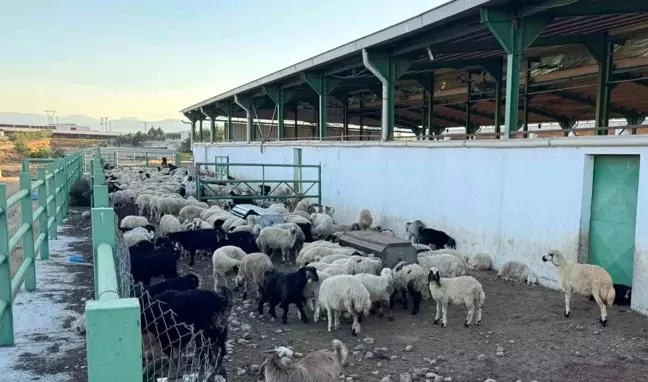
[189,213]
[133,238]
[271,238]
[251,270]
[132,221]
[365,219]
[583,279]
[480,261]
[226,260]
[343,293]
[322,226]
[457,290]
[413,279]
[318,366]
[516,271]
[449,265]
[380,288]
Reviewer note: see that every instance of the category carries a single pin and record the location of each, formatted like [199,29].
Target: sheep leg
[336,315]
[316,315]
[262,300]
[404,293]
[385,303]
[191,257]
[284,316]
[444,314]
[597,297]
[329,315]
[438,313]
[300,308]
[471,313]
[271,310]
[479,313]
[416,300]
[567,298]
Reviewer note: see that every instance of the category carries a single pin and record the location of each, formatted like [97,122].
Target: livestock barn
[375,112]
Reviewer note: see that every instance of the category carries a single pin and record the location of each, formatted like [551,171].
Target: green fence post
[6,318]
[27,216]
[146,157]
[51,205]
[115,158]
[114,340]
[42,219]
[66,187]
[59,193]
[25,165]
[176,159]
[103,231]
[319,183]
[100,195]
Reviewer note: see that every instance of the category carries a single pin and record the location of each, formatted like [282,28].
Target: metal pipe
[384,117]
[248,113]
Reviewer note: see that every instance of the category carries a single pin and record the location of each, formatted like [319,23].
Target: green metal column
[426,81]
[345,117]
[193,130]
[245,103]
[469,126]
[6,310]
[514,35]
[28,238]
[322,85]
[388,69]
[279,96]
[602,48]
[361,122]
[527,83]
[229,122]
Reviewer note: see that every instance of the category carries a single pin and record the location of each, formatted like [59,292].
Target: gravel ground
[523,337]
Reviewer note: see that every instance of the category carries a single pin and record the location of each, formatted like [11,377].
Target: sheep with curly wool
[456,290]
[343,293]
[413,279]
[365,220]
[131,221]
[583,279]
[322,226]
[149,234]
[313,253]
[449,265]
[133,238]
[189,213]
[318,366]
[480,261]
[226,261]
[517,271]
[273,238]
[251,271]
[380,288]
[357,264]
[233,221]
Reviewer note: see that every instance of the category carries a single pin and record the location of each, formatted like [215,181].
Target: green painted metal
[515,35]
[113,340]
[603,51]
[468,106]
[103,231]
[193,131]
[527,83]
[568,8]
[613,216]
[322,85]
[427,80]
[44,215]
[176,159]
[247,105]
[280,97]
[221,167]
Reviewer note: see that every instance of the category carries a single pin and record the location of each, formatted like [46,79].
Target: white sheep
[457,290]
[329,259]
[146,233]
[365,219]
[311,290]
[302,206]
[189,213]
[299,241]
[449,265]
[142,203]
[132,221]
[480,261]
[318,252]
[380,288]
[516,271]
[233,221]
[295,214]
[278,208]
[413,279]
[272,238]
[226,260]
[132,238]
[198,223]
[584,279]
[421,248]
[251,270]
[343,292]
[360,264]
[334,270]
[322,226]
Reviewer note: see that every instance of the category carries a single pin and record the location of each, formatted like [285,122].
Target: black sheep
[286,288]
[623,295]
[180,283]
[199,310]
[306,229]
[201,239]
[438,239]
[242,239]
[160,262]
[141,248]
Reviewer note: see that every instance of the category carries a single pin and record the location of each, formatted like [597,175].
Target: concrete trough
[389,248]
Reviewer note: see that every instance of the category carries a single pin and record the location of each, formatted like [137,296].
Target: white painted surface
[512,203]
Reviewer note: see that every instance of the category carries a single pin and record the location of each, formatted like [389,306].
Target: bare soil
[528,322]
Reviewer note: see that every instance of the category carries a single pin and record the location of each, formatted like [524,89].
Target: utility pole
[50,117]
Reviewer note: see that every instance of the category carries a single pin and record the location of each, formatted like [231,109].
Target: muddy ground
[524,324]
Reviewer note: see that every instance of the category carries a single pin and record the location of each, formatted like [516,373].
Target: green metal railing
[113,335]
[296,187]
[52,184]
[113,158]
[221,169]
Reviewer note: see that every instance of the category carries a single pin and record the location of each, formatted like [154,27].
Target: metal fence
[113,334]
[54,178]
[131,157]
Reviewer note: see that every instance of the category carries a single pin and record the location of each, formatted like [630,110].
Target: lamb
[189,213]
[286,288]
[480,261]
[252,270]
[271,238]
[583,279]
[299,241]
[226,260]
[318,366]
[516,271]
[131,221]
[133,238]
[322,226]
[457,290]
[365,219]
[413,279]
[380,288]
[278,208]
[449,265]
[343,292]
[160,262]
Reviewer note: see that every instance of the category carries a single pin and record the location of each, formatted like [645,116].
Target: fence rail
[134,157]
[52,185]
[113,334]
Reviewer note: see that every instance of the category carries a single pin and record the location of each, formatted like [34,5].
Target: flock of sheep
[328,278]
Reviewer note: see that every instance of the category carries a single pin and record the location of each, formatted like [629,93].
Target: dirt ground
[537,342]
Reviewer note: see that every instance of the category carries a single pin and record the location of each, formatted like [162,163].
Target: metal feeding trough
[268,218]
[389,248]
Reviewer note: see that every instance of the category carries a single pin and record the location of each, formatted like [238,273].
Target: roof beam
[438,39]
[568,8]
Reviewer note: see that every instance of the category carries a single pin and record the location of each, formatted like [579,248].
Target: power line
[50,117]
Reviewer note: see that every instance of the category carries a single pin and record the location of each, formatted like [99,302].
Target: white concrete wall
[512,203]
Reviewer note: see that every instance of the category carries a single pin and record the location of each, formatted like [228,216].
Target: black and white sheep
[457,290]
[286,288]
[321,365]
[413,279]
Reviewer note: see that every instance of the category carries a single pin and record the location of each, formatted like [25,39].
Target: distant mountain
[122,125]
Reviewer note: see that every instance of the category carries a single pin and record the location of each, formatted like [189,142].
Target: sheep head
[310,273]
[554,256]
[434,276]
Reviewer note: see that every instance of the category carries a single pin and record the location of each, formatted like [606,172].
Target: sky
[149,59]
